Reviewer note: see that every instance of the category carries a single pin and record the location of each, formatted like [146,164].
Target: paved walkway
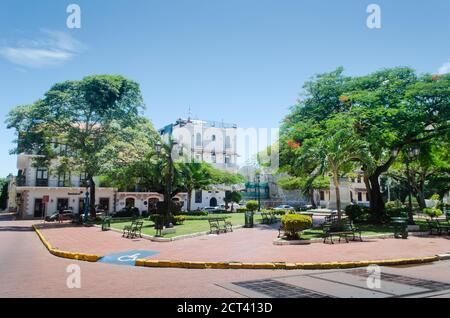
[242,245]
[28,270]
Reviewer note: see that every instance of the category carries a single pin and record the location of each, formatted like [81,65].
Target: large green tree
[388,110]
[84,123]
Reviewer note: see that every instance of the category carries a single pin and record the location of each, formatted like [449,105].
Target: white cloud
[53,48]
[445,68]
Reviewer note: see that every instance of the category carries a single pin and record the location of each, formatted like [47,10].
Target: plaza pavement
[242,245]
[27,269]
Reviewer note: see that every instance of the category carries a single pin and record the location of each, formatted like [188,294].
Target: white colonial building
[206,141]
[39,191]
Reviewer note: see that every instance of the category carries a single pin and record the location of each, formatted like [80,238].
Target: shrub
[432,212]
[127,213]
[353,211]
[295,223]
[395,209]
[252,205]
[198,213]
[179,219]
[241,210]
[393,205]
[144,214]
[435,197]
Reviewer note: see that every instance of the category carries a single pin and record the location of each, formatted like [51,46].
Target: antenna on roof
[189,113]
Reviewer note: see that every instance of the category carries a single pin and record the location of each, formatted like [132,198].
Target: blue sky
[240,61]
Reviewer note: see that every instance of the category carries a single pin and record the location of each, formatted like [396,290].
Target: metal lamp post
[169,177]
[258,181]
[411,153]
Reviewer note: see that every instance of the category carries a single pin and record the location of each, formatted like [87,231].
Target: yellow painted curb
[64,254]
[280,265]
[238,265]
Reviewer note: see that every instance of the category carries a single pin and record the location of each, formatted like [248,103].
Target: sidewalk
[242,245]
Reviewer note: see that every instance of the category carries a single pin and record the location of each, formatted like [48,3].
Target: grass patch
[193,224]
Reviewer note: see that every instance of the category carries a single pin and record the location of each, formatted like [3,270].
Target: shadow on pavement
[10,228]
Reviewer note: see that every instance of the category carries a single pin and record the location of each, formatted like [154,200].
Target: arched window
[198,140]
[213,137]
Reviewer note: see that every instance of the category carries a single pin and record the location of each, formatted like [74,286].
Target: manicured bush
[198,213]
[357,213]
[252,205]
[127,213]
[179,219]
[295,223]
[432,212]
[395,209]
[435,197]
[393,205]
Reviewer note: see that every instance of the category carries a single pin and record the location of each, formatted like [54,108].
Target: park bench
[106,223]
[133,230]
[438,225]
[268,218]
[220,225]
[342,229]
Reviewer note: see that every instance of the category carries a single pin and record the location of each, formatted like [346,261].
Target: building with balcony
[37,192]
[206,141]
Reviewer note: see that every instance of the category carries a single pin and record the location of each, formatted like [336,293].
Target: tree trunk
[376,199]
[92,211]
[311,198]
[338,194]
[189,200]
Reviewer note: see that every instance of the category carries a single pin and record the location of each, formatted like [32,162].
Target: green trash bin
[248,219]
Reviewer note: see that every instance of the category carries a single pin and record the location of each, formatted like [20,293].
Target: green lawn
[197,224]
[194,224]
[366,230]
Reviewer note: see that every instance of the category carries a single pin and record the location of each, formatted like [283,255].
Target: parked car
[66,215]
[211,209]
[284,207]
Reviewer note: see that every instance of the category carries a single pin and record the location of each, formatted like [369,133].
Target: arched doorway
[129,202]
[213,202]
[152,205]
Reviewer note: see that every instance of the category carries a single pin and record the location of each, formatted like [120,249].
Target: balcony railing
[41,182]
[21,181]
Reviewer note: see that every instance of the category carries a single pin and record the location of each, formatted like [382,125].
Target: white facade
[352,190]
[30,190]
[205,141]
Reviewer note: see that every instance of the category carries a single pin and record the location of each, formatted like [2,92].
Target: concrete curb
[243,265]
[64,254]
[282,265]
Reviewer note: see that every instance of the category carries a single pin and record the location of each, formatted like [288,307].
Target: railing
[21,181]
[41,182]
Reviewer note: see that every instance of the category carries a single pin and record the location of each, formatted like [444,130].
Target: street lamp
[169,176]
[258,181]
[411,153]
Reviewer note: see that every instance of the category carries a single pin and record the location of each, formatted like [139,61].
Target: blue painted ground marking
[126,257]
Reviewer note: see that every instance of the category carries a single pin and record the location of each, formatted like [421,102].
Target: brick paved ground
[28,270]
[243,245]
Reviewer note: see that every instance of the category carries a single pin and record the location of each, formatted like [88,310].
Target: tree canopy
[363,123]
[89,125]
